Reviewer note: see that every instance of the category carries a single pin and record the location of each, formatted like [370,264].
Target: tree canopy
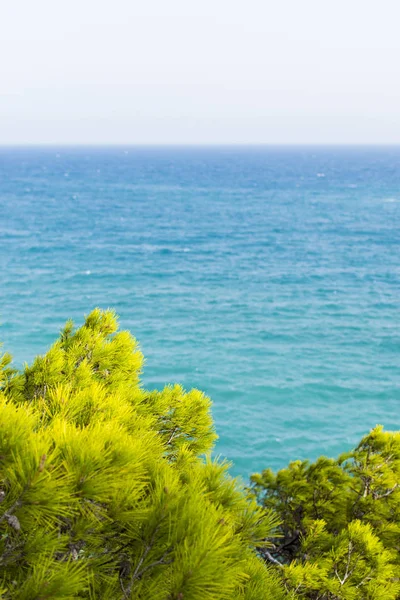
[108,490]
[339,532]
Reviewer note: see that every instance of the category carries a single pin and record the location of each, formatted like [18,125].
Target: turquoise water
[268,277]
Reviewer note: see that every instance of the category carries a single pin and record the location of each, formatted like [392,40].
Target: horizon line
[198,144]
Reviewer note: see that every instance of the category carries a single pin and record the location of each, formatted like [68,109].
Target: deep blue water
[268,277]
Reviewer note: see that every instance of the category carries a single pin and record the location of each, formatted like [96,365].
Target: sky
[199,72]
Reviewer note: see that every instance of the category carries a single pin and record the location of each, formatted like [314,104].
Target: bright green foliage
[339,536]
[104,493]
[347,565]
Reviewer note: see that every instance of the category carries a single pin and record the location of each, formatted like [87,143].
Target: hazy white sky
[199,71]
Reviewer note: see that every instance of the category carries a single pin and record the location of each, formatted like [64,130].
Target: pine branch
[386,494]
[139,571]
[270,558]
[172,436]
[11,519]
[160,561]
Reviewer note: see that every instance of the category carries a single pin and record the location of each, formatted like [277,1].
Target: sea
[268,277]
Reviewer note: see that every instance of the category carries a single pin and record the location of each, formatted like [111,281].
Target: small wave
[321,175]
[390,200]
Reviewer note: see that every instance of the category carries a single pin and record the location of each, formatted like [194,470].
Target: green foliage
[104,489]
[108,491]
[339,536]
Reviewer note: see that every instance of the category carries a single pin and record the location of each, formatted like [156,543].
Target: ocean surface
[267,277]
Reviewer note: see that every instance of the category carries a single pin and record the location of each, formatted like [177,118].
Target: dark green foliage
[104,492]
[339,536]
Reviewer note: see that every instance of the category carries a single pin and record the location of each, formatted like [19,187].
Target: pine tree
[107,491]
[339,532]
